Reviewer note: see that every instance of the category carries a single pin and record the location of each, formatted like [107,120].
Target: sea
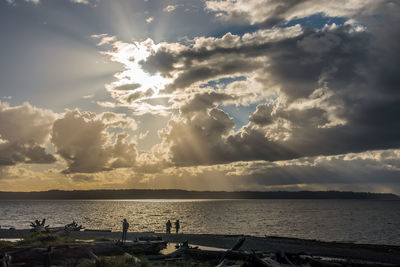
[358,221]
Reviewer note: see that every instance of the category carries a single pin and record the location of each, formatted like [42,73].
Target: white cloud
[170,8]
[273,12]
[32,1]
[149,20]
[143,135]
[80,1]
[134,87]
[88,96]
[104,39]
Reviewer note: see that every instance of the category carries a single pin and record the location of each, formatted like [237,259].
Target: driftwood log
[135,259]
[73,227]
[98,230]
[235,247]
[38,226]
[81,250]
[221,257]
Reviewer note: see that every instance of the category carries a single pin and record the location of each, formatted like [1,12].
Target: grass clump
[125,260]
[122,261]
[185,261]
[44,239]
[5,244]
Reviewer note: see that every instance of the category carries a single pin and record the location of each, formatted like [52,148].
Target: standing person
[168,225]
[177,226]
[125,226]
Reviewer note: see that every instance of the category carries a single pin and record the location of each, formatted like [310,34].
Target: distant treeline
[183,194]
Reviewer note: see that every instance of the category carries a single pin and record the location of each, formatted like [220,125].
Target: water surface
[362,221]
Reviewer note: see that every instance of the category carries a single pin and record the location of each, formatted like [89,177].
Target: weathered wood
[73,227]
[320,263]
[252,258]
[214,255]
[82,250]
[268,262]
[235,247]
[239,243]
[93,256]
[135,259]
[38,226]
[55,229]
[282,258]
[6,260]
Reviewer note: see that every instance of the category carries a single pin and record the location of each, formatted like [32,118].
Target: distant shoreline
[143,194]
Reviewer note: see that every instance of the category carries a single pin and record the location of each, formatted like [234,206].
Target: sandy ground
[378,253]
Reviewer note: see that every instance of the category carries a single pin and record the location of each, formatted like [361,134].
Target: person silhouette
[177,226]
[125,226]
[168,226]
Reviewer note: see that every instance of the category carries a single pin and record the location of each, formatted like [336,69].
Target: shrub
[40,239]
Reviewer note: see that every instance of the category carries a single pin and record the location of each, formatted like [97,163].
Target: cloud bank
[81,139]
[23,132]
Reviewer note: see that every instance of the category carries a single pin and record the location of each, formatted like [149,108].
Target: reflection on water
[363,221]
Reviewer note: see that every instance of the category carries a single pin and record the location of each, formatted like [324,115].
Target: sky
[200,95]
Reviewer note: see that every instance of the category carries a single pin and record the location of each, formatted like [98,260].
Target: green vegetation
[129,261]
[122,261]
[125,260]
[5,244]
[116,257]
[44,239]
[182,262]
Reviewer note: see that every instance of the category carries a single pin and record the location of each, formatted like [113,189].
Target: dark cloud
[81,139]
[14,153]
[198,140]
[204,101]
[212,58]
[367,171]
[356,169]
[123,153]
[262,115]
[338,93]
[163,61]
[139,95]
[23,132]
[211,70]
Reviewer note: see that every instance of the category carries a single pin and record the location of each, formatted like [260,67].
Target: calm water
[363,221]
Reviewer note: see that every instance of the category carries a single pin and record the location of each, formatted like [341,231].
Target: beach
[364,252]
